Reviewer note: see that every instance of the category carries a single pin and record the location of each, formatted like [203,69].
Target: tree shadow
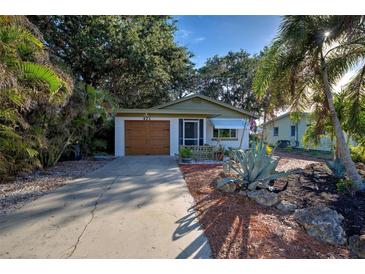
[237,227]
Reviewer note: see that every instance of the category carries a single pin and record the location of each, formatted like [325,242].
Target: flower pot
[186,160]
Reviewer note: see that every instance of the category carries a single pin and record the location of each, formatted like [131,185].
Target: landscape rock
[228,184]
[253,186]
[280,185]
[357,245]
[286,207]
[263,197]
[322,223]
[243,193]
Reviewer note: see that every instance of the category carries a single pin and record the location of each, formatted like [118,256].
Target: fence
[200,153]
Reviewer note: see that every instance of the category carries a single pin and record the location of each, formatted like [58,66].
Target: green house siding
[200,104]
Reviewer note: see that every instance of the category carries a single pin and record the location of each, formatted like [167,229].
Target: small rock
[263,197]
[280,185]
[286,207]
[228,184]
[357,245]
[322,223]
[258,184]
[243,193]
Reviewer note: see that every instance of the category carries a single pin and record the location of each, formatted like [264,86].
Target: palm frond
[37,72]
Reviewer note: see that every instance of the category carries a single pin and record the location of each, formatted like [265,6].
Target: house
[192,120]
[284,129]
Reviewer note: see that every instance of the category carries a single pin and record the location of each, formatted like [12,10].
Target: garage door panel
[147,137]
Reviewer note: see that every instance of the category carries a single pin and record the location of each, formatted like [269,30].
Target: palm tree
[305,61]
[25,76]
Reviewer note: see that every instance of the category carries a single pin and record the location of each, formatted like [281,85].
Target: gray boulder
[322,223]
[228,184]
[263,197]
[286,207]
[357,245]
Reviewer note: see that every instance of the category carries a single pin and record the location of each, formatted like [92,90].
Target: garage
[147,137]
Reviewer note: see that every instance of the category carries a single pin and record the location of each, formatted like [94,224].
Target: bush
[269,149]
[344,185]
[358,153]
[185,152]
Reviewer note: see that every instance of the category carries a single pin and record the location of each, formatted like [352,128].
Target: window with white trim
[225,133]
[276,131]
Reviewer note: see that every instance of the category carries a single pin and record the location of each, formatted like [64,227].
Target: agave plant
[337,168]
[255,165]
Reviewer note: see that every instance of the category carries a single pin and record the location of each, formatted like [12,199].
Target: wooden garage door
[147,137]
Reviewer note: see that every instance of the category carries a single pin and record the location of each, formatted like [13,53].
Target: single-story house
[192,120]
[283,128]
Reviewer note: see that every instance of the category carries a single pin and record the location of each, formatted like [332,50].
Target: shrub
[269,149]
[185,152]
[358,153]
[344,185]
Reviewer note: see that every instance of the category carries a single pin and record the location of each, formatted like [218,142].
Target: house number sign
[147,117]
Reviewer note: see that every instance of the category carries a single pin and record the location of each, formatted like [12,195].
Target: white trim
[204,131]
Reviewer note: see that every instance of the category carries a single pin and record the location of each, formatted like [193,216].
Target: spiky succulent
[256,165]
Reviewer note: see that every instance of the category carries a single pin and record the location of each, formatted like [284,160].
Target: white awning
[228,123]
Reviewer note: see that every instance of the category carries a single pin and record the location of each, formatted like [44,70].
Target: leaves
[37,72]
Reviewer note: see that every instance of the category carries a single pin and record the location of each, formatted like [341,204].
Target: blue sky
[206,36]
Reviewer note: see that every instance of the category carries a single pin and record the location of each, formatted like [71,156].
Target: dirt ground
[316,186]
[238,227]
[24,189]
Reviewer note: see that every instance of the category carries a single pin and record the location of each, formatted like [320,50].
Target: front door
[191,132]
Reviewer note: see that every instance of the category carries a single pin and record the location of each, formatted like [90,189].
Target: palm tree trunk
[343,149]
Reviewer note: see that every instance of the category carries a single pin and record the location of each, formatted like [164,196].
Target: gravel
[24,189]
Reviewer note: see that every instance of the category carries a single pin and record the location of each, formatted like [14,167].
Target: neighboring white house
[193,120]
[282,128]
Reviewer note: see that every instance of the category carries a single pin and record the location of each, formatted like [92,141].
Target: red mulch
[237,227]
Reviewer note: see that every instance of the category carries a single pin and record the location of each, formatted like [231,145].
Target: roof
[165,111]
[282,117]
[211,100]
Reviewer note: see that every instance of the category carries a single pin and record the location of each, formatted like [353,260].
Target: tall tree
[304,62]
[134,57]
[230,79]
[28,82]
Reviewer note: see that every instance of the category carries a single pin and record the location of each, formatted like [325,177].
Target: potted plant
[185,154]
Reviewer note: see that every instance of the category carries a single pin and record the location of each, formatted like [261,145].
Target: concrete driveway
[134,207]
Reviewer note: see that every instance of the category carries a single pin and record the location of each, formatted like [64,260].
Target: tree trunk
[343,149]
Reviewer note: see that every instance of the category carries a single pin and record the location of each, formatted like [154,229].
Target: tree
[27,80]
[304,62]
[135,58]
[230,79]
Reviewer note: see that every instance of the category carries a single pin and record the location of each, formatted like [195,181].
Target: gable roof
[208,99]
[283,116]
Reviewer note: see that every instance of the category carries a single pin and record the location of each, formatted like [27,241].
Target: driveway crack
[92,215]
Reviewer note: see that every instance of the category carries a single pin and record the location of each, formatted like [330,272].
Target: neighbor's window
[225,133]
[276,131]
[292,131]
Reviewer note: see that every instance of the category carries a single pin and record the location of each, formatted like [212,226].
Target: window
[276,131]
[225,133]
[292,131]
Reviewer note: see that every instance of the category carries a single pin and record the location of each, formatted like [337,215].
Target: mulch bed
[316,186]
[238,227]
[26,188]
